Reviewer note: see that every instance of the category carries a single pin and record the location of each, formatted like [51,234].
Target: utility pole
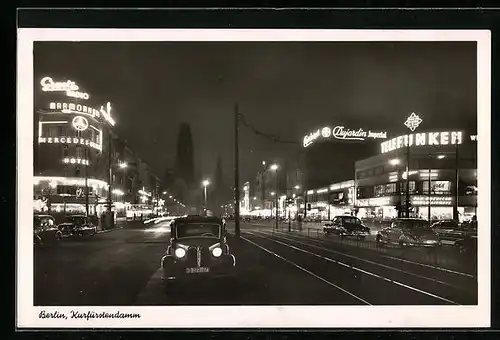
[110,179]
[236,174]
[407,199]
[277,198]
[86,181]
[455,202]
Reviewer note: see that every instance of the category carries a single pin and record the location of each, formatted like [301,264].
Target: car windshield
[198,230]
[351,220]
[413,225]
[78,220]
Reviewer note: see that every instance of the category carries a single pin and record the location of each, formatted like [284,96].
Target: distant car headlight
[179,252]
[217,252]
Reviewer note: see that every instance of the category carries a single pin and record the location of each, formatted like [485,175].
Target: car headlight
[217,252]
[179,252]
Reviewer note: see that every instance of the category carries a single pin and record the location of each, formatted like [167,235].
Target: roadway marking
[362,271]
[369,261]
[397,258]
[429,266]
[307,271]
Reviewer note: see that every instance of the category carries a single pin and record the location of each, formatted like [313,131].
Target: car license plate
[197,270]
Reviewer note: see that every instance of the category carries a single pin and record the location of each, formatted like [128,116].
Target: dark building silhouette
[184,166]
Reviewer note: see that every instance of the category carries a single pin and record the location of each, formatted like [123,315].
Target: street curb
[109,230]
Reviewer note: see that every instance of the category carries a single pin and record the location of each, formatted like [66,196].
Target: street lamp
[297,187]
[275,167]
[205,184]
[123,165]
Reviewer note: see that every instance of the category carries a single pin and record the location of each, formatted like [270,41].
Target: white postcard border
[248,316]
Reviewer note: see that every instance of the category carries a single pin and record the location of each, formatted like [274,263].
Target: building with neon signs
[444,161]
[73,138]
[380,180]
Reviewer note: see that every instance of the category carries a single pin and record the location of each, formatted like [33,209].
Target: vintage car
[78,225]
[346,225]
[408,232]
[463,237]
[197,249]
[45,231]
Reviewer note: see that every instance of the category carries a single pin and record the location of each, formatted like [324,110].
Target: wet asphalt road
[121,267]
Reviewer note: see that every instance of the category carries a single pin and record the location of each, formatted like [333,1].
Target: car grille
[192,257]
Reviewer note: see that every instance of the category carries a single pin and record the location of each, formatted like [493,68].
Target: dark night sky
[288,88]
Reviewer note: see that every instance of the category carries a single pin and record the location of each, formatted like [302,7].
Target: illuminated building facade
[381,179]
[73,136]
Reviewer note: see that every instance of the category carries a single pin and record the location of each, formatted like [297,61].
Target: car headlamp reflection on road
[217,252]
[179,252]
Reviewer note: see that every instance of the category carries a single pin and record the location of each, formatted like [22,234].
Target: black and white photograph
[263,178]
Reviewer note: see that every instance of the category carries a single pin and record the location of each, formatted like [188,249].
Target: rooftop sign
[340,132]
[84,110]
[422,139]
[68,86]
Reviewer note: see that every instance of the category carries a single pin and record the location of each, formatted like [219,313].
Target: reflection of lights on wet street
[158,230]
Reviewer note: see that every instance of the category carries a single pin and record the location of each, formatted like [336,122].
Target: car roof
[404,219]
[198,218]
[44,216]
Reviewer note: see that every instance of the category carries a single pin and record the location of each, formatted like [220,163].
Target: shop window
[402,187]
[437,187]
[390,188]
[378,190]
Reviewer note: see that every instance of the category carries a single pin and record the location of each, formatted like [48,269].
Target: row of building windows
[447,163]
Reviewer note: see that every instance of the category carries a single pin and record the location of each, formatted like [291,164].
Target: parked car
[463,237]
[197,250]
[408,232]
[78,225]
[346,225]
[45,231]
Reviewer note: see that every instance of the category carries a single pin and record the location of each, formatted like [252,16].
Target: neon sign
[75,161]
[68,86]
[435,200]
[340,132]
[413,121]
[422,139]
[69,140]
[80,123]
[84,110]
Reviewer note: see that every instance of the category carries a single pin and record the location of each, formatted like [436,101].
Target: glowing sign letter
[420,139]
[445,136]
[456,137]
[433,138]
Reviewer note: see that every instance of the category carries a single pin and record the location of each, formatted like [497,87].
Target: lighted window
[437,187]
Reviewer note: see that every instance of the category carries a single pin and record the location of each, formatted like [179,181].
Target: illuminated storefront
[444,161]
[72,130]
[328,202]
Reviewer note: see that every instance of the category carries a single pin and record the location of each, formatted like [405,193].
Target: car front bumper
[176,270]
